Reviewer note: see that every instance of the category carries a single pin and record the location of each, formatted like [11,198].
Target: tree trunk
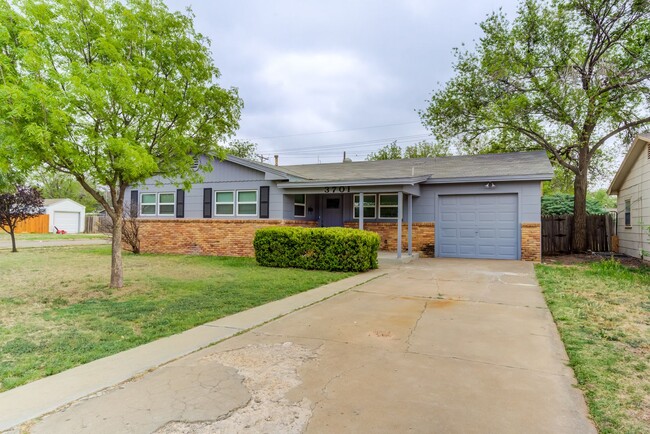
[13,239]
[580,210]
[117,275]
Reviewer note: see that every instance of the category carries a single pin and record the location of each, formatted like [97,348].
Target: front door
[332,210]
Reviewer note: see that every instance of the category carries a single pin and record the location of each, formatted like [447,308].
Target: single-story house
[479,206]
[65,214]
[631,185]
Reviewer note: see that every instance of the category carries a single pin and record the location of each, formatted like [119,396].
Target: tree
[55,185]
[243,149]
[567,76]
[111,92]
[16,206]
[426,149]
[422,149]
[560,203]
[388,152]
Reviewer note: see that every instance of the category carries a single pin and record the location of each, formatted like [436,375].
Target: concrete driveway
[435,346]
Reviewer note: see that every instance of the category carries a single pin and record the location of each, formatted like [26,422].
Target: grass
[56,311]
[602,311]
[48,237]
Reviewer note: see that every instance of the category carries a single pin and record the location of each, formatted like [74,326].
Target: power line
[332,131]
[333,146]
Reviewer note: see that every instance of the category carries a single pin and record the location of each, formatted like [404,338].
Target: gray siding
[228,176]
[225,176]
[311,202]
[424,206]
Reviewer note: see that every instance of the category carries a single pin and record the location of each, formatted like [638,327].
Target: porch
[376,208]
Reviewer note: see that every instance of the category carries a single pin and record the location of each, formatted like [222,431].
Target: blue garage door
[478,226]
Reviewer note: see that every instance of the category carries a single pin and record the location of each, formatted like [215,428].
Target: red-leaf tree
[21,204]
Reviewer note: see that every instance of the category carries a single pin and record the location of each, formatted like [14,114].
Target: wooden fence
[36,225]
[94,224]
[557,233]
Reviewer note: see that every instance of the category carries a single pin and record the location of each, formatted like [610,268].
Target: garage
[478,226]
[67,221]
[65,214]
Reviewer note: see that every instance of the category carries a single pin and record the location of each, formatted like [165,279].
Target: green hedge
[332,249]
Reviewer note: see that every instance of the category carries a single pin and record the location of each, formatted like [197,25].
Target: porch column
[360,209]
[410,222]
[400,218]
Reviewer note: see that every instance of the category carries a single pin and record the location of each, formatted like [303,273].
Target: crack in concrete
[415,325]
[483,362]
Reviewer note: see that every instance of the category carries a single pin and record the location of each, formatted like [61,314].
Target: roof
[50,202]
[466,168]
[631,157]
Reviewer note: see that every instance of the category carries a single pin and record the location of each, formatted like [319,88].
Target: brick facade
[423,236]
[531,242]
[205,237]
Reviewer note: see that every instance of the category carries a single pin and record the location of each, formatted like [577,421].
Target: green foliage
[560,203]
[565,76]
[332,249]
[421,149]
[112,92]
[605,200]
[56,185]
[426,149]
[242,149]
[388,152]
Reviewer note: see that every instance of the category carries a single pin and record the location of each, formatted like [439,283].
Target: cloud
[315,91]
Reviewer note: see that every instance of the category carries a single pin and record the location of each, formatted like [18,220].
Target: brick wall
[423,235]
[205,237]
[531,242]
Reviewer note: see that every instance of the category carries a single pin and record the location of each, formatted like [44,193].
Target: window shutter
[133,210]
[264,202]
[207,203]
[180,203]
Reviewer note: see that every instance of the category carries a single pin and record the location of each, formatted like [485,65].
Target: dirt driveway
[433,346]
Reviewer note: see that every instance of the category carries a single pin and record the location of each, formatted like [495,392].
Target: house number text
[337,189]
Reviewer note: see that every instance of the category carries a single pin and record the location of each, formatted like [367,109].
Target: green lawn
[56,311]
[603,314]
[47,237]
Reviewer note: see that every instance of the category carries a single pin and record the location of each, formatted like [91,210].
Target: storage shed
[65,214]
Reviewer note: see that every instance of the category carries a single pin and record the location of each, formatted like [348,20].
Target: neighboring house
[631,185]
[65,214]
[481,206]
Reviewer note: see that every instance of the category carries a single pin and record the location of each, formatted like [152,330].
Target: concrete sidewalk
[448,346]
[28,244]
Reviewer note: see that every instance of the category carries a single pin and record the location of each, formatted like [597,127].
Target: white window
[369,206]
[161,204]
[224,203]
[148,204]
[387,206]
[247,202]
[299,205]
[166,204]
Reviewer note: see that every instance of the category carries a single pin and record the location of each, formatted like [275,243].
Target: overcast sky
[322,77]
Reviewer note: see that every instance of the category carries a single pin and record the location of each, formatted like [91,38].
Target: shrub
[560,203]
[332,249]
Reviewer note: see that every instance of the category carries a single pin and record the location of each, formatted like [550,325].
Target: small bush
[332,249]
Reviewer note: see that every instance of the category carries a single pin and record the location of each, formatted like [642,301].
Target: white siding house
[632,186]
[66,214]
